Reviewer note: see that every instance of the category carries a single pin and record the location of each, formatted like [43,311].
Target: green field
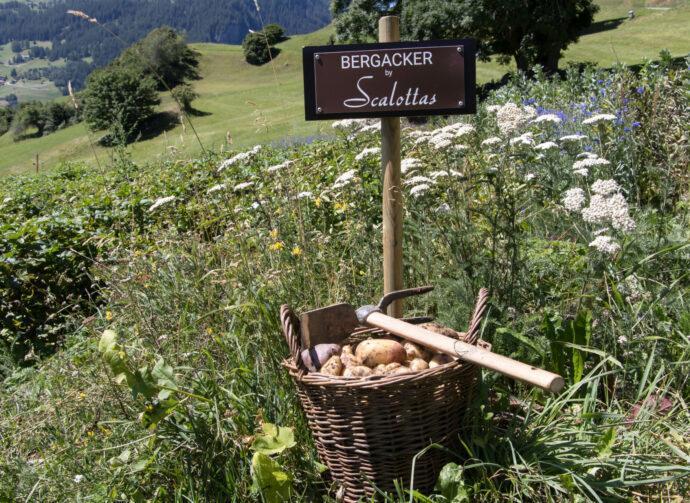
[264,104]
[27,90]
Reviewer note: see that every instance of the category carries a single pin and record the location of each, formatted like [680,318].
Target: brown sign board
[390,80]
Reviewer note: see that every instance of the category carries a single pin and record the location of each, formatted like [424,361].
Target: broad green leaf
[274,440]
[164,374]
[269,480]
[451,484]
[108,341]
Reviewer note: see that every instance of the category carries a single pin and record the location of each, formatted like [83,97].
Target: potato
[333,366]
[439,359]
[359,371]
[373,352]
[400,370]
[414,351]
[418,364]
[313,358]
[389,369]
[348,357]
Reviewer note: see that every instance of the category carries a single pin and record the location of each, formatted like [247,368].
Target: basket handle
[477,317]
[290,325]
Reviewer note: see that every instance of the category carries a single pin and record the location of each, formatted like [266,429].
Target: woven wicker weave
[367,431]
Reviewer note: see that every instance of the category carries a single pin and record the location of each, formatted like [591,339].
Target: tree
[119,100]
[184,94]
[274,33]
[164,56]
[530,31]
[6,115]
[14,73]
[256,50]
[16,46]
[30,114]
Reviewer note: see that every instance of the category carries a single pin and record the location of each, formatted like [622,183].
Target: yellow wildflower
[209,331]
[296,251]
[317,202]
[109,315]
[277,246]
[340,206]
[273,234]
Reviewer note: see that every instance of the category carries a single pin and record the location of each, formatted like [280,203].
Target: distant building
[3,80]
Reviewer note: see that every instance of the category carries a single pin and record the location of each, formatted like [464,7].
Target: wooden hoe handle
[467,352]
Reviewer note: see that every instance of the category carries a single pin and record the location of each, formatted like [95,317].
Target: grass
[256,105]
[27,90]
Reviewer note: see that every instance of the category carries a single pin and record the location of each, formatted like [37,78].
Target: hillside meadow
[142,352]
[248,105]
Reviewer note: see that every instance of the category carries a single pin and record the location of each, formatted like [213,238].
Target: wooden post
[37,164]
[389,31]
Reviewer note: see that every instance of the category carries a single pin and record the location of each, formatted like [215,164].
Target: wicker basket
[367,431]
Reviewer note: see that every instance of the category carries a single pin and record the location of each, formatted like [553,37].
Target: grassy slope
[27,89]
[264,104]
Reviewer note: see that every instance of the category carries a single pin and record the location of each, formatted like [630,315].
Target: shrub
[256,50]
[119,100]
[274,33]
[184,94]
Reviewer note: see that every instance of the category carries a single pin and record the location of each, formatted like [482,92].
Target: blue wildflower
[636,124]
[640,90]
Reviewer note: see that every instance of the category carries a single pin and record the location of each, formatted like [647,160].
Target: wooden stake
[37,164]
[389,31]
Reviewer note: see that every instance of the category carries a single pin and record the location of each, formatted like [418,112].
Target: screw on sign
[389,80]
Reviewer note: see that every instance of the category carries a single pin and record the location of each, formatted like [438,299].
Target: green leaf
[108,341]
[605,444]
[274,440]
[164,374]
[269,480]
[451,484]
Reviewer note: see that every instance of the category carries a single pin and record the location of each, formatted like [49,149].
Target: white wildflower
[78,478]
[587,155]
[609,209]
[303,195]
[590,163]
[492,140]
[348,124]
[523,139]
[529,177]
[438,174]
[441,143]
[511,117]
[418,190]
[493,108]
[410,163]
[605,244]
[242,186]
[455,173]
[464,130]
[605,187]
[596,119]
[161,201]
[415,180]
[622,340]
[551,118]
[422,139]
[239,158]
[367,152]
[344,179]
[460,148]
[547,145]
[574,199]
[573,137]
[370,128]
[216,188]
[582,172]
[278,167]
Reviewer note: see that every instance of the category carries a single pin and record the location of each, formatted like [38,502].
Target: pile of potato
[385,356]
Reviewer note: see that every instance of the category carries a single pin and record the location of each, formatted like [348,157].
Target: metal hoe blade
[329,324]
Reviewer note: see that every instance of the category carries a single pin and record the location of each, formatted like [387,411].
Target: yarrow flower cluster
[511,117]
[244,156]
[550,118]
[605,244]
[418,190]
[547,145]
[582,166]
[216,188]
[574,199]
[241,186]
[596,119]
[573,137]
[492,140]
[161,201]
[522,140]
[278,167]
[344,179]
[608,206]
[409,164]
[367,152]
